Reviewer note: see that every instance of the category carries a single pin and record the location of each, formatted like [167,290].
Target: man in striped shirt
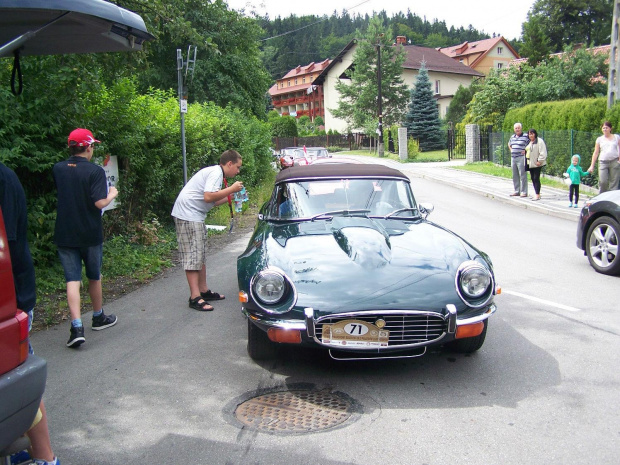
[517,143]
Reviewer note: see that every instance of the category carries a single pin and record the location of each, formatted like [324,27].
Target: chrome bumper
[308,323]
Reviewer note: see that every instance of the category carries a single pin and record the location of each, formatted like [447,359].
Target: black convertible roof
[343,170]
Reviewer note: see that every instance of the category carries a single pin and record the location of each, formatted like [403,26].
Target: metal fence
[561,146]
[355,141]
[457,144]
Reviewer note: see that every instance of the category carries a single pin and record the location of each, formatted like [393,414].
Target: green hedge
[579,114]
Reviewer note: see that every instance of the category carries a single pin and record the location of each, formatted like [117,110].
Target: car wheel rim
[603,245]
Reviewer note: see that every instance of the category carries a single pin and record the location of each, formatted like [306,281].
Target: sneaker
[20,457]
[570,205]
[43,462]
[77,336]
[576,206]
[103,321]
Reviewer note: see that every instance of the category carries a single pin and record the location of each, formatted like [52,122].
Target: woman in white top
[608,147]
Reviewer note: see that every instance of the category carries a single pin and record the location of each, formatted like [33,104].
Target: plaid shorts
[192,240]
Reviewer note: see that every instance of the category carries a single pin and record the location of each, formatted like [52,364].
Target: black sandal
[211,295]
[200,304]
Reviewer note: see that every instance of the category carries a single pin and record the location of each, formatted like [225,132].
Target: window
[289,83]
[303,80]
[500,65]
[500,50]
[295,81]
[437,88]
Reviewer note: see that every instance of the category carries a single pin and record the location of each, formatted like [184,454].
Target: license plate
[354,333]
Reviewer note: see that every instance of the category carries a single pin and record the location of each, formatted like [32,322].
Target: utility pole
[380,148]
[613,83]
[188,66]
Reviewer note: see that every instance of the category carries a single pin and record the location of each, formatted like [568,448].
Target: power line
[312,24]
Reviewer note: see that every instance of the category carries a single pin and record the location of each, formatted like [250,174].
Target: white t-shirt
[190,204]
[609,148]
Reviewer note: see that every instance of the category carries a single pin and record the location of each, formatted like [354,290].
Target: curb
[505,198]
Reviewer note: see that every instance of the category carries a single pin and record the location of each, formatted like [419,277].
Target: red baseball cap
[81,138]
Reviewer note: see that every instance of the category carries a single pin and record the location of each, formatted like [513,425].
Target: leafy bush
[413,148]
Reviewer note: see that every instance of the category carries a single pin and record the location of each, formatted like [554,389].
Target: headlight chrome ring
[474,284]
[273,291]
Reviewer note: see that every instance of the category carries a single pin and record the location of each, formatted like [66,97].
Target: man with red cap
[82,194]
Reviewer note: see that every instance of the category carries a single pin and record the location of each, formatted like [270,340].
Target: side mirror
[426,209]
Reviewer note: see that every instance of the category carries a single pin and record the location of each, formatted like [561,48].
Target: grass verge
[131,261]
[506,172]
[422,157]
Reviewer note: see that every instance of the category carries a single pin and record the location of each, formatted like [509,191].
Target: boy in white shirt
[201,193]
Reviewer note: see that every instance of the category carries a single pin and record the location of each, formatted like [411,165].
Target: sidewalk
[553,202]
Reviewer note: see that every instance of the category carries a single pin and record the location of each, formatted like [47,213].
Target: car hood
[359,263]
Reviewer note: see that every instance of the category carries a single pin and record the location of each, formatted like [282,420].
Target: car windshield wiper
[400,210]
[339,212]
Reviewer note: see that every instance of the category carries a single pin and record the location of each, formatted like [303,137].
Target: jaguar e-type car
[343,258]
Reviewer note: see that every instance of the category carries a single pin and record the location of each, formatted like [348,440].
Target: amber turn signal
[288,336]
[498,290]
[469,330]
[243,297]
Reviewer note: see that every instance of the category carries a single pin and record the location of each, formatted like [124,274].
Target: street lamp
[380,148]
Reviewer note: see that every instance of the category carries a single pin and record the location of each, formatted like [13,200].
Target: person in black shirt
[13,206]
[82,193]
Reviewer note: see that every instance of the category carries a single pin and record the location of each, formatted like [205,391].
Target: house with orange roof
[483,55]
[445,74]
[296,94]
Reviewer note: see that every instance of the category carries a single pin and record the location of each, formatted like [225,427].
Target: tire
[259,345]
[602,245]
[469,345]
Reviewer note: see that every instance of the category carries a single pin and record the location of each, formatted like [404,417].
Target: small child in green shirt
[574,172]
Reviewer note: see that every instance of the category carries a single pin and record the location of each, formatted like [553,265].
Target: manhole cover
[294,411]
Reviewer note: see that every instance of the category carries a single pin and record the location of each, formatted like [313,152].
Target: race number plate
[355,333]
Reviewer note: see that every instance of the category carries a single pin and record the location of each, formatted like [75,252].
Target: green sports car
[343,259]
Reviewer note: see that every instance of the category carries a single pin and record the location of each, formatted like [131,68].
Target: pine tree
[422,118]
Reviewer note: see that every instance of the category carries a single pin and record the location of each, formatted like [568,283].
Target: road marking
[542,301]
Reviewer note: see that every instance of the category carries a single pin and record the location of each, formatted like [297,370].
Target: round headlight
[269,287]
[475,281]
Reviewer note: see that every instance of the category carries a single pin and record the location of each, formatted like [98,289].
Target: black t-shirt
[80,184]
[13,203]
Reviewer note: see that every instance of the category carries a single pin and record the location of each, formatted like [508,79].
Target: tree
[535,41]
[284,126]
[358,101]
[574,21]
[422,119]
[228,69]
[576,74]
[458,105]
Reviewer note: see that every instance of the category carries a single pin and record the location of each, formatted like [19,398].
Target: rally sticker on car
[355,333]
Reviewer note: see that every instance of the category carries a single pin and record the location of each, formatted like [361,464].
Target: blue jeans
[71,259]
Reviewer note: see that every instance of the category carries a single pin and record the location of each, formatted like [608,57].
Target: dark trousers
[574,188]
[535,175]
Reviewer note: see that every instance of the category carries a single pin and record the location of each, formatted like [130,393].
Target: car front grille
[406,328]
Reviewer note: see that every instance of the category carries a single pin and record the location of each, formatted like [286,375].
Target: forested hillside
[299,40]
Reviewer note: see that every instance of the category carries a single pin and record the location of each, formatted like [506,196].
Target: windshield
[326,198]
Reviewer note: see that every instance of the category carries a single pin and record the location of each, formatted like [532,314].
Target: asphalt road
[161,386]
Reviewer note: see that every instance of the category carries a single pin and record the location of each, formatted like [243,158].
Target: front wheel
[259,345]
[469,344]
[602,245]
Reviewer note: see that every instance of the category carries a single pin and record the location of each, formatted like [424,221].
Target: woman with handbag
[536,158]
